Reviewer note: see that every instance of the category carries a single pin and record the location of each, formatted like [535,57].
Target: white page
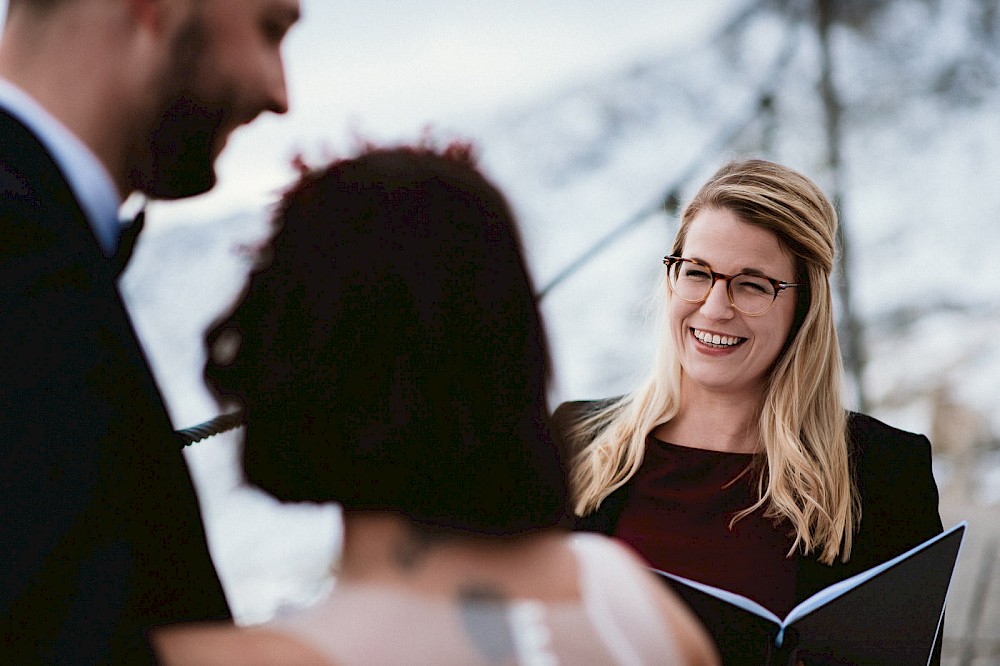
[735,599]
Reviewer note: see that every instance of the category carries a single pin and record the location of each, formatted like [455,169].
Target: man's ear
[157,16]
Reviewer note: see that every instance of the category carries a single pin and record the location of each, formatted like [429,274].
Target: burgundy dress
[678,514]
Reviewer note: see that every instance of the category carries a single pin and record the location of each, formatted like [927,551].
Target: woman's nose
[717,305]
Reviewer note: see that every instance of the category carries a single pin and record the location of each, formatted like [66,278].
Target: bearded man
[100,526]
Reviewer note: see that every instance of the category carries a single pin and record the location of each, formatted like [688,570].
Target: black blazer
[100,527]
[899,497]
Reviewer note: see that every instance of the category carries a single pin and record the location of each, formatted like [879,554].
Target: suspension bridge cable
[671,195]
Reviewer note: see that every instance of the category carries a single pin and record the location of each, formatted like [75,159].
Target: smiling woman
[736,464]
[723,347]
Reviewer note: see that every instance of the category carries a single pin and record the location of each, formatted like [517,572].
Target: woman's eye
[755,286]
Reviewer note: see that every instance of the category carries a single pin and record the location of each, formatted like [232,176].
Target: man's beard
[176,158]
[182,150]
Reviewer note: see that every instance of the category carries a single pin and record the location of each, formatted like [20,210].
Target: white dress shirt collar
[88,179]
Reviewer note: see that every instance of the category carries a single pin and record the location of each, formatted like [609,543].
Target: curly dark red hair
[393,356]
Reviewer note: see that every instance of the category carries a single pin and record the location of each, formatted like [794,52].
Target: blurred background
[599,120]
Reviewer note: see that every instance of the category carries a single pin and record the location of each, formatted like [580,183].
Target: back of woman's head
[392,354]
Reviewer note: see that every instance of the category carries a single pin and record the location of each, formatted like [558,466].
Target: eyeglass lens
[749,294]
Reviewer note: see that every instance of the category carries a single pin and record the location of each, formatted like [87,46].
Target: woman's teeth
[717,340]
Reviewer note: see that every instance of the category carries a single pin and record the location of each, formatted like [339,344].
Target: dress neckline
[695,450]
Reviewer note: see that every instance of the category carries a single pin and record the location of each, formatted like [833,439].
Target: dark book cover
[889,614]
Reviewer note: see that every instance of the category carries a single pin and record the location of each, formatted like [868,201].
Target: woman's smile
[716,340]
[720,349]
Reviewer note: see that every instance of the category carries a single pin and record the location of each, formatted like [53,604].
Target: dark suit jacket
[100,528]
[899,497]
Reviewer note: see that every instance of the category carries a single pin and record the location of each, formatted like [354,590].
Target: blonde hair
[805,475]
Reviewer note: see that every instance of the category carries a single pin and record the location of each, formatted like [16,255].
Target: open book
[889,614]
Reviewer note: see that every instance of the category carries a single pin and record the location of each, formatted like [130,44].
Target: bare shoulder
[694,645]
[692,639]
[206,644]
